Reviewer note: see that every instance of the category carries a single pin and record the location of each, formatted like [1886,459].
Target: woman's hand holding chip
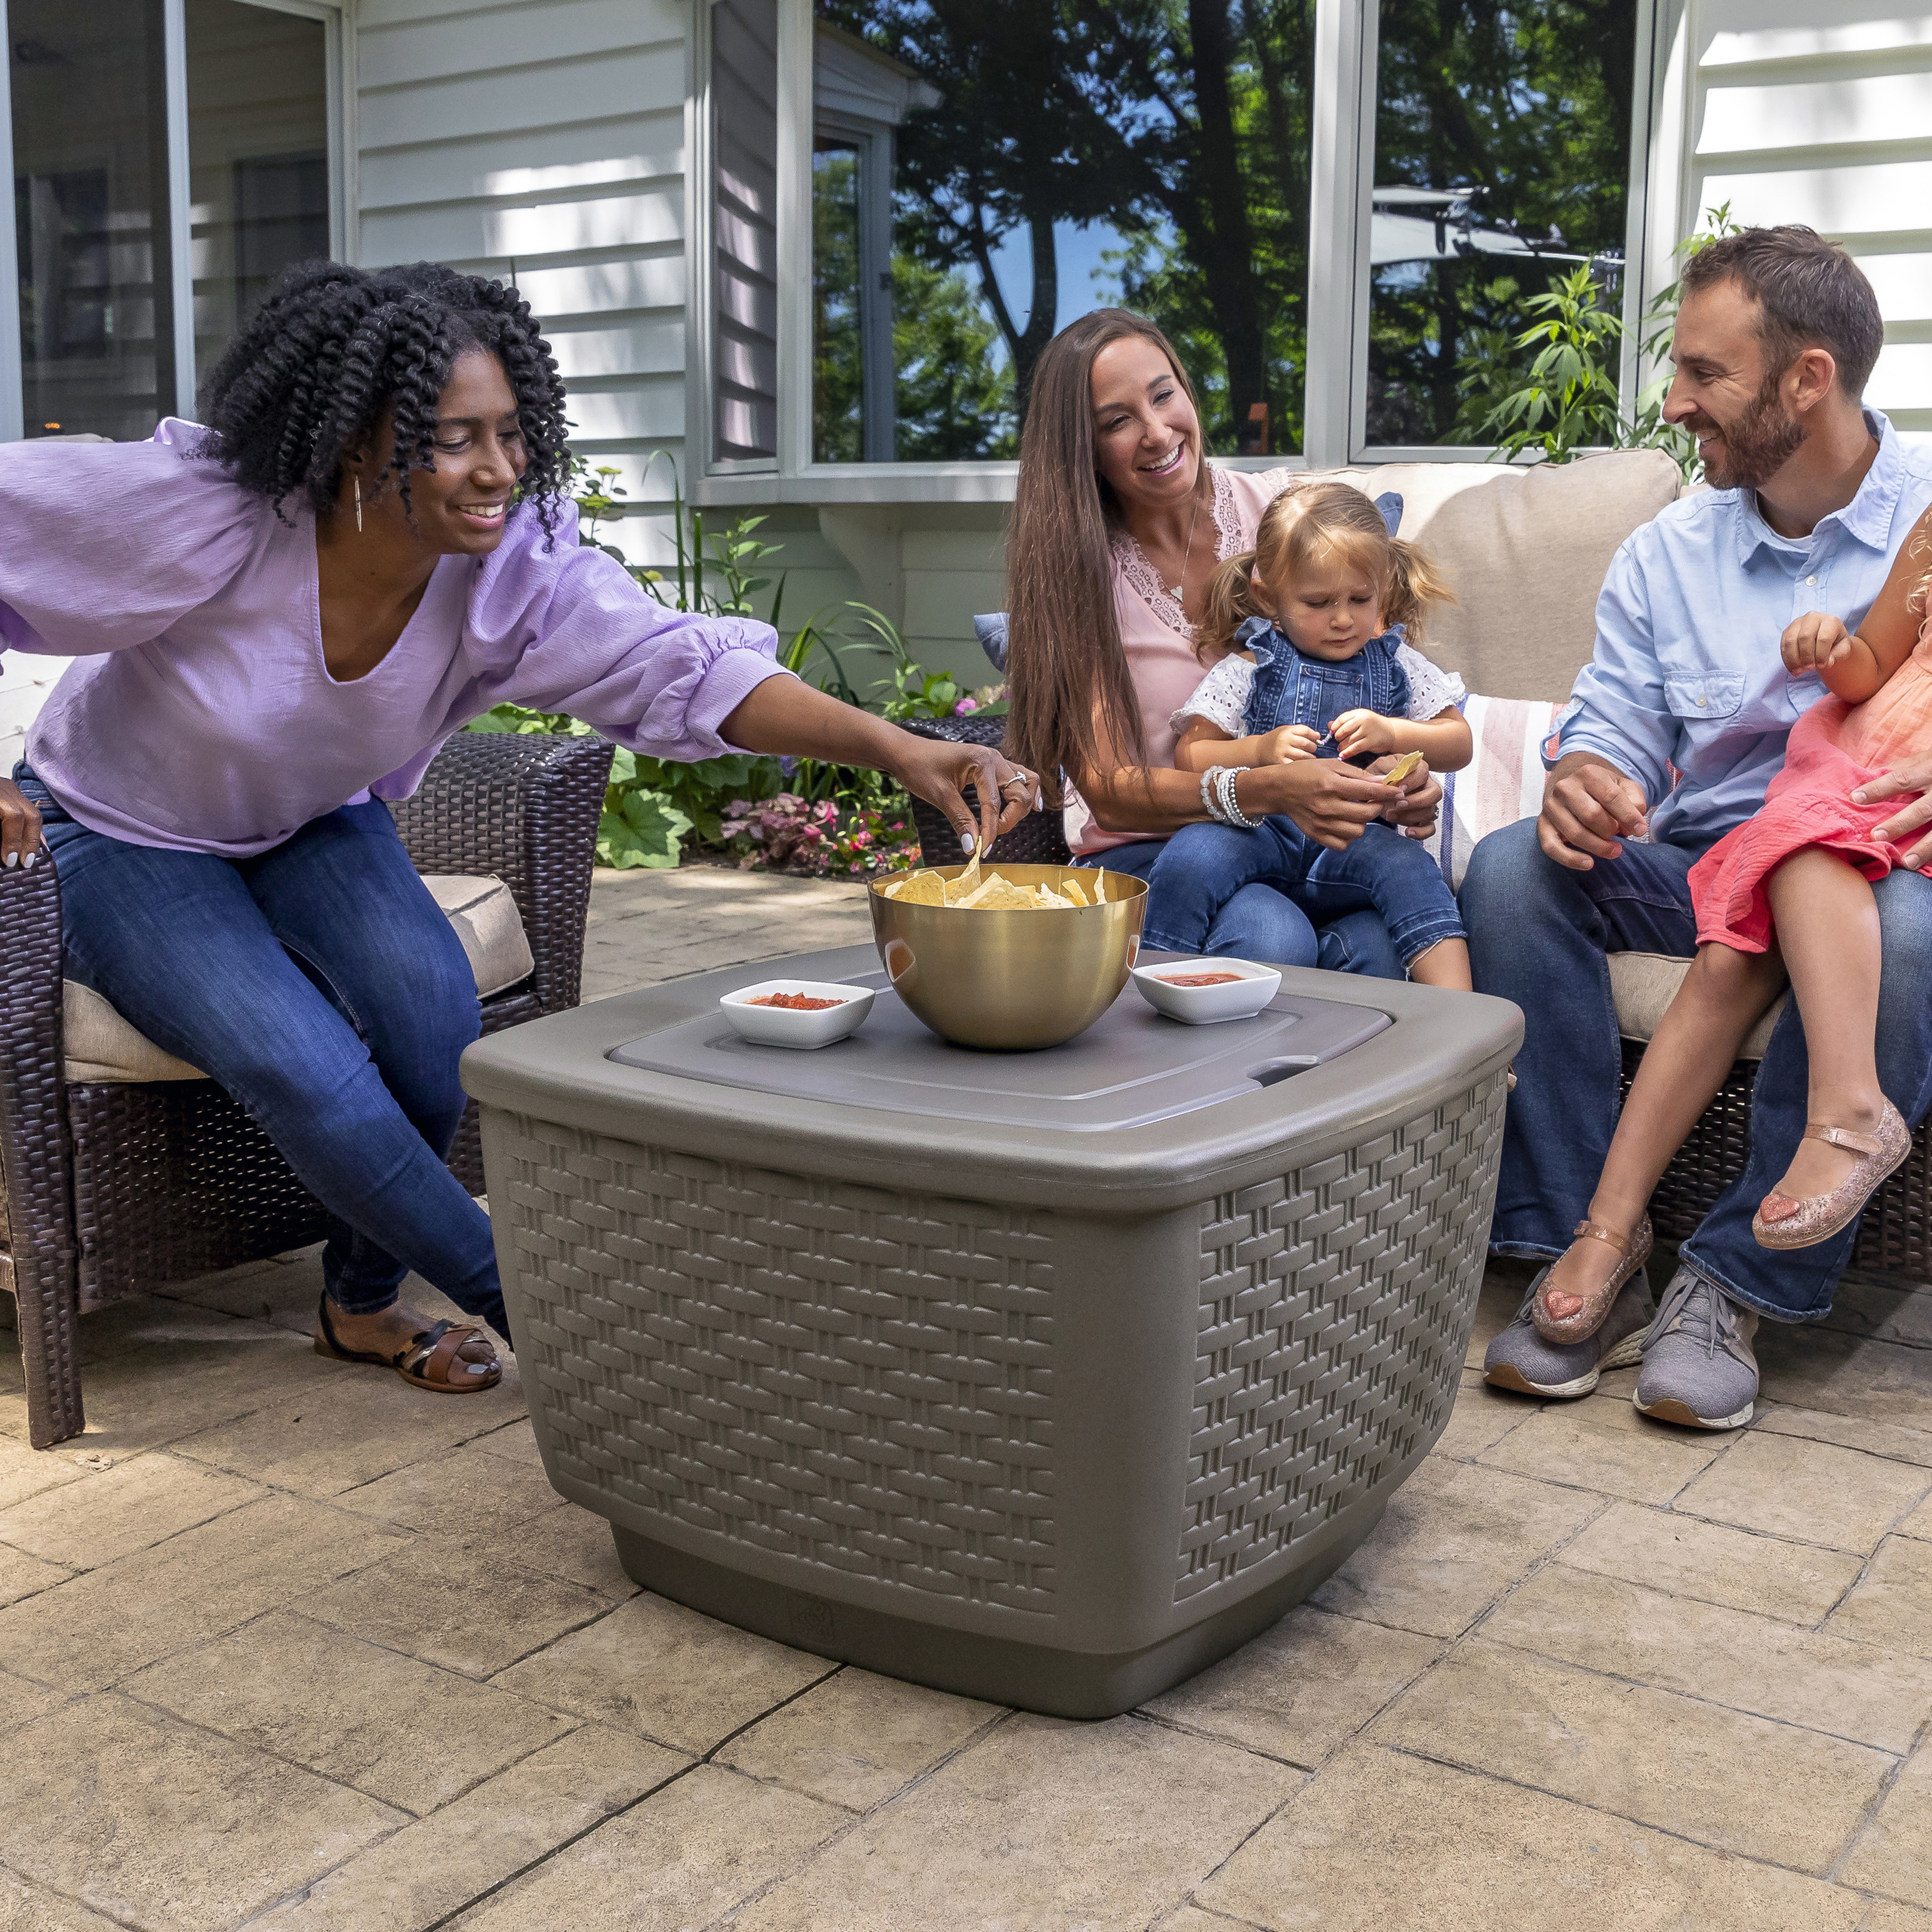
[939,772]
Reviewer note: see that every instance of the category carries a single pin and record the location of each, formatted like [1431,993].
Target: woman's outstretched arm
[785,715]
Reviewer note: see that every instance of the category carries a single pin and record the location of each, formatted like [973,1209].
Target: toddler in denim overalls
[1305,637]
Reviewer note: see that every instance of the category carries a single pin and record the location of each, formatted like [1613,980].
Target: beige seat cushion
[1525,550]
[487,921]
[1642,984]
[102,1046]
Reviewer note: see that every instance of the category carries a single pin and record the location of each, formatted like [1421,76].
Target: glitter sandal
[1634,1252]
[1818,1217]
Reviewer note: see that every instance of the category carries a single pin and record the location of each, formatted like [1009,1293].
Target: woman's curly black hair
[309,375]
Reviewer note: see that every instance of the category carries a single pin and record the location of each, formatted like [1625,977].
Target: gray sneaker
[1521,1359]
[1698,1367]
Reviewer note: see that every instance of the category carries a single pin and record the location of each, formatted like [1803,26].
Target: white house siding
[1793,111]
[544,140]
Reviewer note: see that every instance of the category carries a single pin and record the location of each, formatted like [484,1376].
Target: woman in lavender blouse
[277,621]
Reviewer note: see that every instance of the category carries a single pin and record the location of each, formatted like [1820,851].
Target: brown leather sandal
[1585,1323]
[430,1361]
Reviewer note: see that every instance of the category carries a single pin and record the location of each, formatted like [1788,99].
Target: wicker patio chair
[110,1189]
[1896,1229]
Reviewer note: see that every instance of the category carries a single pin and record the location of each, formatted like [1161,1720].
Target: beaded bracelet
[1231,811]
[1210,802]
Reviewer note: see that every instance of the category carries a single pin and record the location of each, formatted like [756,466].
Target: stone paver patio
[287,1644]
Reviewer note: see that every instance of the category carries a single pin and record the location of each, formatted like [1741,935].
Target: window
[1341,212]
[1502,154]
[90,216]
[132,276]
[984,171]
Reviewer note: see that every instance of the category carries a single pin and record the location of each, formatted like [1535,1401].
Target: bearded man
[1674,729]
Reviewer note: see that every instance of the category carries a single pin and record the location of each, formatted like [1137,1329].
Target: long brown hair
[1301,528]
[1066,675]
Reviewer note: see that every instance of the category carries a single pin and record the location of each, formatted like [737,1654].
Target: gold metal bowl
[1016,980]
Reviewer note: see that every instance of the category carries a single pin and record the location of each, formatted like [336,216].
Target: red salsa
[1200,979]
[800,1002]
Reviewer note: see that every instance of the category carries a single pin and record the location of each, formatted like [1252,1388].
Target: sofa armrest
[526,808]
[36,1156]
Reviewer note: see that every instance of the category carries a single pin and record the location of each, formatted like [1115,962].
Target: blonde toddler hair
[1303,528]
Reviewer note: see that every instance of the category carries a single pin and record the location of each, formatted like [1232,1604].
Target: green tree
[955,389]
[1528,103]
[1225,270]
[837,370]
[1033,126]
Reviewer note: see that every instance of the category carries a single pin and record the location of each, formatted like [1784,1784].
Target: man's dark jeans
[1540,933]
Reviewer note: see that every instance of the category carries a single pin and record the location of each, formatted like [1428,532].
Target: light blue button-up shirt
[1687,673]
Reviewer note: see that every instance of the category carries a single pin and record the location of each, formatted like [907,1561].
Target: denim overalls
[1291,689]
[1202,866]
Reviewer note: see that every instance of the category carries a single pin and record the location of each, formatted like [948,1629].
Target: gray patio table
[1047,1378]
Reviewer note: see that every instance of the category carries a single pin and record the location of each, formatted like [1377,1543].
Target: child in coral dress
[1785,897]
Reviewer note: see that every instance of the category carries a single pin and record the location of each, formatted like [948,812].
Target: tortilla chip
[957,889]
[1401,768]
[1075,893]
[1045,898]
[919,888]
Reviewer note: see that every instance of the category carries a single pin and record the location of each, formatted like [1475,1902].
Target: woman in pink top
[1118,522]
[275,623]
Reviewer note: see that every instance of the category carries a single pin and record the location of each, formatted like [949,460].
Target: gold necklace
[1175,590]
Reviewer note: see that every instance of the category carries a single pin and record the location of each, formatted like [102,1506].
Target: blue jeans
[1203,866]
[321,986]
[1539,934]
[1258,921]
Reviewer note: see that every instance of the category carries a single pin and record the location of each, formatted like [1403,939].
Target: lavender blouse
[199,715]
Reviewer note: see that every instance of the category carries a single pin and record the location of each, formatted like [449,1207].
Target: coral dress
[1834,749]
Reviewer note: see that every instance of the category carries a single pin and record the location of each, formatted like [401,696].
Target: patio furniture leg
[36,1163]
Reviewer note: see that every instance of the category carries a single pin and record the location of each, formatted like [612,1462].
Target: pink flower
[965,707]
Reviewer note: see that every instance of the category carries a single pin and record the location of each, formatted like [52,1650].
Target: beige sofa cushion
[1525,550]
[487,921]
[102,1046]
[1642,984]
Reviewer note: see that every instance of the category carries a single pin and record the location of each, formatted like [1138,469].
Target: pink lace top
[1157,638]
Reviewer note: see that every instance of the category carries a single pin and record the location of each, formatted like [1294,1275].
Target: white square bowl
[786,1026]
[1242,997]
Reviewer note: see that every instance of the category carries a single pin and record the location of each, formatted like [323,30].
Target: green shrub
[1571,402]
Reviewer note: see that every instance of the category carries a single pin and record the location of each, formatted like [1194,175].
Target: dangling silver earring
[358,481]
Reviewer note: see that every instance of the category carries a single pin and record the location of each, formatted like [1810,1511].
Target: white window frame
[339,31]
[1342,182]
